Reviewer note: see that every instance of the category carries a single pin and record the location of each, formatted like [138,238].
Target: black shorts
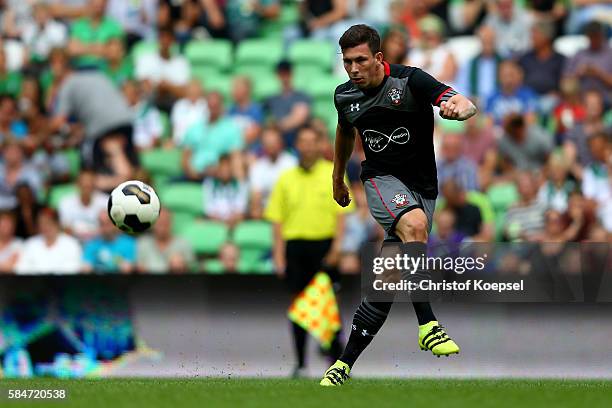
[93,156]
[304,260]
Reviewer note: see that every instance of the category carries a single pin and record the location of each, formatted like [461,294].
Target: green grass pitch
[379,393]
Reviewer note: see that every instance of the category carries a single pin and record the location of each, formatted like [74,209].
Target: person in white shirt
[168,72]
[78,212]
[191,109]
[50,252]
[148,126]
[225,197]
[597,179]
[43,33]
[10,245]
[266,169]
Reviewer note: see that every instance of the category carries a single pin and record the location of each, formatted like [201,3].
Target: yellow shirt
[302,201]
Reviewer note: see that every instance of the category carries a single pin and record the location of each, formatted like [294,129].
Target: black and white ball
[133,207]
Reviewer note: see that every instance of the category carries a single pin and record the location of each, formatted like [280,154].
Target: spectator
[119,67]
[570,111]
[558,230]
[576,142]
[248,114]
[14,170]
[395,46]
[511,24]
[453,165]
[107,119]
[556,190]
[446,240]
[525,219]
[78,212]
[409,15]
[188,111]
[147,125]
[204,144]
[264,173]
[137,18]
[244,17]
[43,33]
[50,252]
[584,11]
[543,65]
[466,15]
[596,180]
[16,14]
[11,125]
[479,77]
[480,146]
[162,252]
[523,146]
[10,245]
[468,217]
[432,55]
[593,66]
[168,72]
[226,198]
[229,256]
[90,35]
[512,96]
[27,211]
[291,109]
[321,20]
[110,252]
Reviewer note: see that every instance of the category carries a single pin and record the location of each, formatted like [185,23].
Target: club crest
[395,95]
[400,200]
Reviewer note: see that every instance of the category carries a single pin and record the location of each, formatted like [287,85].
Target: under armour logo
[378,141]
[364,333]
[354,107]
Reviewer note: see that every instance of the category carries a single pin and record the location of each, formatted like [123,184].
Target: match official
[308,226]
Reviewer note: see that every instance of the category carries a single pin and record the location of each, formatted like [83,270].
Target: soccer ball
[133,207]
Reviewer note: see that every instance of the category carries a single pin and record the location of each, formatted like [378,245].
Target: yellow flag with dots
[315,309]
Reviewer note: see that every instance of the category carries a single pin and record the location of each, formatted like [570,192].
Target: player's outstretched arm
[458,107]
[345,142]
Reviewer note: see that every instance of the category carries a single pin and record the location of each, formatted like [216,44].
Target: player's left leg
[412,228]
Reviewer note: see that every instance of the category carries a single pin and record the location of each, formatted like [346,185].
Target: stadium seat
[569,45]
[165,162]
[219,83]
[185,197]
[142,48]
[502,196]
[264,81]
[74,161]
[56,193]
[262,52]
[253,234]
[289,15]
[322,89]
[205,237]
[181,219]
[464,48]
[213,267]
[312,53]
[215,54]
[202,73]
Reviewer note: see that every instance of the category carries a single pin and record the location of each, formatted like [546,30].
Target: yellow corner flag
[315,309]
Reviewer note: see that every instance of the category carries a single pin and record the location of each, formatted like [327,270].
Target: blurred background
[203,100]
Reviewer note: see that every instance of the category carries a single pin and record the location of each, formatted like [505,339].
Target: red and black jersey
[395,122]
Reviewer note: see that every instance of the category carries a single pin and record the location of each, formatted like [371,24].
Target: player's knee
[412,229]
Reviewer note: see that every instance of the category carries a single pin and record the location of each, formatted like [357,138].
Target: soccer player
[390,107]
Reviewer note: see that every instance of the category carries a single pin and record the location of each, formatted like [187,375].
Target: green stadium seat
[206,237]
[289,15]
[253,235]
[142,48]
[262,52]
[204,72]
[74,161]
[185,197]
[315,53]
[165,162]
[210,53]
[324,110]
[213,267]
[56,193]
[502,196]
[219,83]
[181,219]
[322,88]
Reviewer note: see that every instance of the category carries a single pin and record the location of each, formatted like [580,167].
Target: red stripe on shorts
[381,198]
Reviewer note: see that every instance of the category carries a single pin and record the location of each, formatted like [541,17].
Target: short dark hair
[360,34]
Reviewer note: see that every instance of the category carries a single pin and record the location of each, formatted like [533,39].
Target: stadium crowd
[96,92]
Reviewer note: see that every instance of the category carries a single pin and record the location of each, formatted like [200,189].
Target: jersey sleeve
[342,120]
[428,89]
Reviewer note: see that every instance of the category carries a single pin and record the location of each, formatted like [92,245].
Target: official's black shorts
[304,260]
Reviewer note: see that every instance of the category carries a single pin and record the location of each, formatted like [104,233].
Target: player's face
[361,65]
